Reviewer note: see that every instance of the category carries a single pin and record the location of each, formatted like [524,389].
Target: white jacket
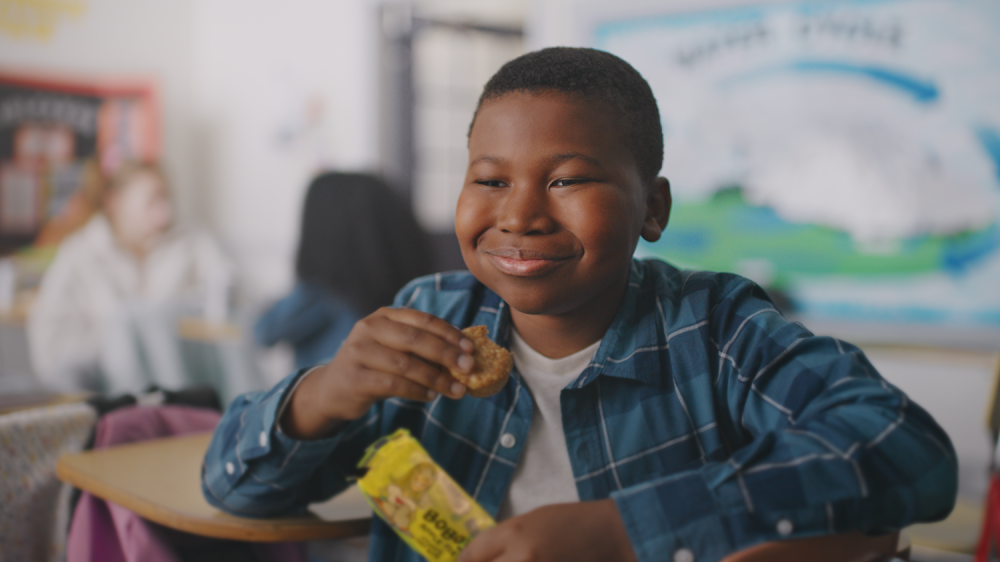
[89,281]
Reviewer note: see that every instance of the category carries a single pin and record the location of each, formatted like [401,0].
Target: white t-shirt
[544,475]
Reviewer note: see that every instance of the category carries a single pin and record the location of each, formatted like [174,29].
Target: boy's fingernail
[466,363]
[431,395]
[467,345]
[457,389]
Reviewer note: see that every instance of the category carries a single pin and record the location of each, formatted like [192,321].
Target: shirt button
[263,439]
[230,468]
[785,527]
[683,555]
[508,440]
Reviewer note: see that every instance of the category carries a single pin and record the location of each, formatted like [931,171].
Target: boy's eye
[492,183]
[566,182]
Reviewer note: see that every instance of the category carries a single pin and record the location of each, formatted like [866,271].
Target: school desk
[160,345]
[218,354]
[160,480]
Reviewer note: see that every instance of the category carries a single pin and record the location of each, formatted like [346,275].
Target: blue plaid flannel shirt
[712,421]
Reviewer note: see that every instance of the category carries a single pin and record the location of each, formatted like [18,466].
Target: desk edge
[246,529]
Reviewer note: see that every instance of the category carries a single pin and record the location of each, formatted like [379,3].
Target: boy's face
[553,204]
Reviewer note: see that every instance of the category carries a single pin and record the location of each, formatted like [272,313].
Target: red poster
[58,140]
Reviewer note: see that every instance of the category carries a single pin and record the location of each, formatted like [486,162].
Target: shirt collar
[634,347]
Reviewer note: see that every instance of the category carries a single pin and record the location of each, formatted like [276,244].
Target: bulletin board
[845,153]
[58,140]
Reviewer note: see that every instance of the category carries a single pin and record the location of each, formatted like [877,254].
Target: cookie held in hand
[493,364]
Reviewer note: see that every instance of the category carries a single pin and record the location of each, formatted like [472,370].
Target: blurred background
[844,154]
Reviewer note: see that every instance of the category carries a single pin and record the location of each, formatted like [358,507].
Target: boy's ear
[658,203]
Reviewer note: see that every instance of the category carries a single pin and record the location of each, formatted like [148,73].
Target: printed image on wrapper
[418,499]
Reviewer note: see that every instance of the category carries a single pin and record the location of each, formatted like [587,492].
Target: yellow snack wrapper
[418,499]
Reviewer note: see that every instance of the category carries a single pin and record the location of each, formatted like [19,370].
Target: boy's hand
[580,532]
[393,352]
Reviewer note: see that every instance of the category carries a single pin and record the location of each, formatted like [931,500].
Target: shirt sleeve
[253,469]
[824,445]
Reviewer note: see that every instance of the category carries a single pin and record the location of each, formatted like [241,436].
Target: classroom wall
[146,39]
[284,90]
[256,96]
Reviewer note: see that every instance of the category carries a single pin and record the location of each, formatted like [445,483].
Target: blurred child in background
[358,246]
[130,251]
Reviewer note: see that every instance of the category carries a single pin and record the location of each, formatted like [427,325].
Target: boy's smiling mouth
[524,263]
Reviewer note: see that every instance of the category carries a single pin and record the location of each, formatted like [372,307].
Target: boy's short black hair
[595,75]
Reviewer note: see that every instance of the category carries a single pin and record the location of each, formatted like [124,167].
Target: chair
[34,508]
[160,480]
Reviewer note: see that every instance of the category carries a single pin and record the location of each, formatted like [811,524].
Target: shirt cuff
[675,517]
[261,448]
[287,399]
[705,515]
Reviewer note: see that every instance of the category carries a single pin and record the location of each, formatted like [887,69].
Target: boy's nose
[525,210]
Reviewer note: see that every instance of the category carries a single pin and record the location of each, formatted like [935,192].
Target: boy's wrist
[617,533]
[301,417]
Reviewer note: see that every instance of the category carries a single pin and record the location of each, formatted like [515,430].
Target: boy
[653,414]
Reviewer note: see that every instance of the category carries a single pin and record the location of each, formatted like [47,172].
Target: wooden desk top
[161,481]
